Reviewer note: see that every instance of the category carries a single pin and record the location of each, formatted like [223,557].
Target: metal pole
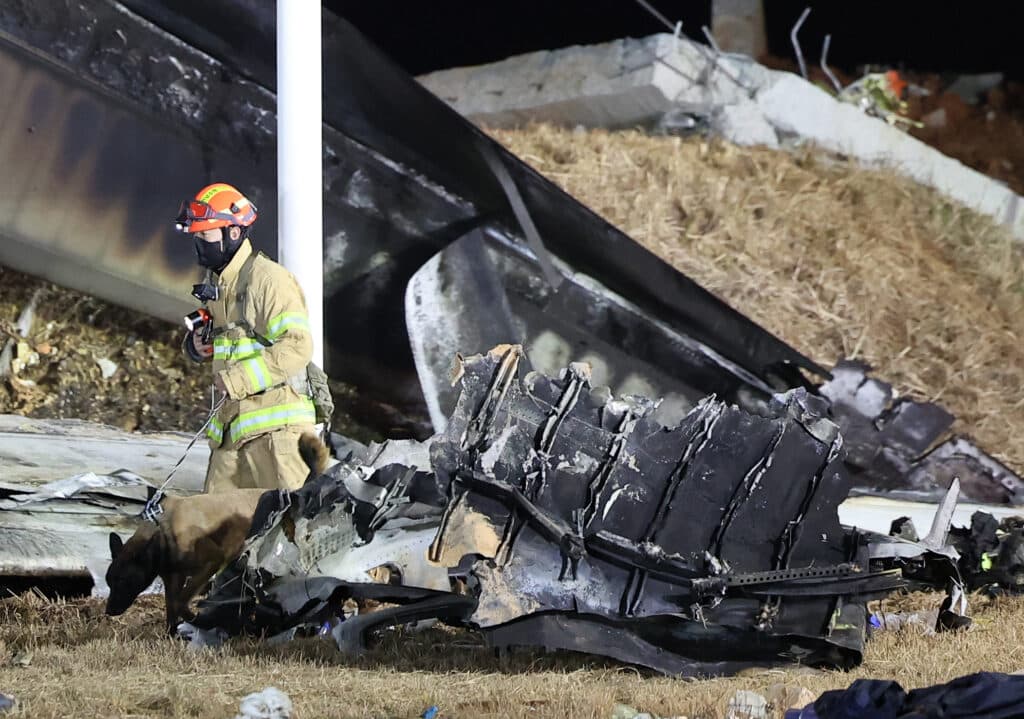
[300,243]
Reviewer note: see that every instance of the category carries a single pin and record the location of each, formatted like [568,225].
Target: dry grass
[837,260]
[86,664]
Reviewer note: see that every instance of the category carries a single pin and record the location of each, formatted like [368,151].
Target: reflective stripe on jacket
[261,345]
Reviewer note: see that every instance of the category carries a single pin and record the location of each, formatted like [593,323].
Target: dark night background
[425,35]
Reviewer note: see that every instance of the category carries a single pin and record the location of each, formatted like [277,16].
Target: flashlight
[195,320]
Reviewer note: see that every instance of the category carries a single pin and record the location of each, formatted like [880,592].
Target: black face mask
[216,255]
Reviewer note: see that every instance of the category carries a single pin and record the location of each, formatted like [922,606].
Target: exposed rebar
[824,64]
[653,11]
[796,43]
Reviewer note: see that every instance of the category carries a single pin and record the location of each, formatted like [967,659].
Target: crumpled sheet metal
[898,447]
[311,549]
[562,517]
[61,528]
[714,543]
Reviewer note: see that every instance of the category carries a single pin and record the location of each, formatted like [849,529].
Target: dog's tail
[314,453]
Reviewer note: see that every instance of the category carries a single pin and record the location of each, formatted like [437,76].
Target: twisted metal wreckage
[550,513]
[693,534]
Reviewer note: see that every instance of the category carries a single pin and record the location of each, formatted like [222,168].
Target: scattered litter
[14,355]
[747,705]
[24,357]
[22,659]
[430,712]
[893,621]
[7,702]
[935,119]
[624,711]
[107,368]
[201,638]
[271,703]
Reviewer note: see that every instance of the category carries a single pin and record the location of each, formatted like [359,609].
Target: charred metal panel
[75,206]
[398,191]
[113,119]
[901,447]
[721,531]
[484,289]
[570,519]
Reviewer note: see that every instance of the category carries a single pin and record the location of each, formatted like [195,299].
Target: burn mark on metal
[697,548]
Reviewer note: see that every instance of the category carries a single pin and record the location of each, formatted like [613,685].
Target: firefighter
[258,339]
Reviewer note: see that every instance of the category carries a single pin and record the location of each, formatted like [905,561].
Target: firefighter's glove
[194,346]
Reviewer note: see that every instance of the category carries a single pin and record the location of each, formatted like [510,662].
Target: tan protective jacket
[261,347]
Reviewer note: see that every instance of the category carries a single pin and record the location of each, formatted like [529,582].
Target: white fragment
[747,705]
[107,368]
[271,703]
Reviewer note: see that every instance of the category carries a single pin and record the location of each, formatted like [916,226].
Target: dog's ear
[116,545]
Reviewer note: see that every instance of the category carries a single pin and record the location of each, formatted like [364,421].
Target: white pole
[300,243]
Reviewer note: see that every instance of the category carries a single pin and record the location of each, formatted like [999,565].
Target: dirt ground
[153,386]
[67,659]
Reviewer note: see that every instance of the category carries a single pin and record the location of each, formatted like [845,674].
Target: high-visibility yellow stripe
[240,349]
[286,321]
[257,372]
[301,412]
[215,430]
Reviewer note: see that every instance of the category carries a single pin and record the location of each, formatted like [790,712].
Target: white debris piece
[747,705]
[209,639]
[107,368]
[271,703]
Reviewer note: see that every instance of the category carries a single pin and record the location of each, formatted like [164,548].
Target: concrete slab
[64,537]
[36,451]
[635,82]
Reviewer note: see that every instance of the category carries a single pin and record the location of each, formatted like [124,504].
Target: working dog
[193,539]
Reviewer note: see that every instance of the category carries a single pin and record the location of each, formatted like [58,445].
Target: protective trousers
[269,461]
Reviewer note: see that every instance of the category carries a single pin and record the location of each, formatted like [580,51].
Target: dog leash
[152,510]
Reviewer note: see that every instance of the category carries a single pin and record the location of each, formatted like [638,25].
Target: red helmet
[216,205]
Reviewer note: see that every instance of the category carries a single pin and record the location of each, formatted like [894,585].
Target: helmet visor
[198,211]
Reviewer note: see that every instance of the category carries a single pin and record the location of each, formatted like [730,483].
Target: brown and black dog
[194,539]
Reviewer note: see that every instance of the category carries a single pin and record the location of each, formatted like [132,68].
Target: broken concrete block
[744,124]
[610,85]
[636,82]
[794,106]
